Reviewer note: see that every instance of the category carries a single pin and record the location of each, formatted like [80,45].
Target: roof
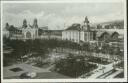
[99,33]
[74,27]
[43,28]
[12,28]
[120,31]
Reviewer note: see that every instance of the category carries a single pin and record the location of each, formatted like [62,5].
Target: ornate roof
[100,33]
[75,27]
[86,20]
[12,28]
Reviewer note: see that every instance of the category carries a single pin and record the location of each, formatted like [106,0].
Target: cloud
[51,20]
[55,16]
[93,9]
[96,12]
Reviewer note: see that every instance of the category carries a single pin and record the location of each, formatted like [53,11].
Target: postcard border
[66,80]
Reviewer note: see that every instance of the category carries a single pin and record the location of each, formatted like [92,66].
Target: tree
[73,66]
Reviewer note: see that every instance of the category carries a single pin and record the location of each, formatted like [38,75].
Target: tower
[7,26]
[86,24]
[87,33]
[24,23]
[35,25]
[86,20]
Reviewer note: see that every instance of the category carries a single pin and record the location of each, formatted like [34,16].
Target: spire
[7,26]
[35,23]
[24,23]
[86,24]
[86,20]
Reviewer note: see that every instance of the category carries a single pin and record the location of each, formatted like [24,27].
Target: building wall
[71,35]
[82,35]
[77,36]
[32,31]
[6,34]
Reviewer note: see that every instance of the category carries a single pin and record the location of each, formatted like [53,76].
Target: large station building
[27,31]
[85,33]
[79,33]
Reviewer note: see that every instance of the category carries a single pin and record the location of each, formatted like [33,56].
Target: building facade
[79,33]
[25,32]
[28,31]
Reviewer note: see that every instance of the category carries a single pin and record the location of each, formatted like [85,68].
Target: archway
[28,35]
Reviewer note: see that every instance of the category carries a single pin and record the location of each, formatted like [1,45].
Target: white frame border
[68,80]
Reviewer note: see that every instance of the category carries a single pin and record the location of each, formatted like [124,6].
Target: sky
[61,15]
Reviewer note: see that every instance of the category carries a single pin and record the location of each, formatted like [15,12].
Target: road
[105,71]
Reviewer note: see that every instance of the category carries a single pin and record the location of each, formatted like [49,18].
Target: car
[28,75]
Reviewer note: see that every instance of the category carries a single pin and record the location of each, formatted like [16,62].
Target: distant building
[78,32]
[107,36]
[51,34]
[25,32]
[30,32]
[5,31]
[99,26]
[44,28]
[14,32]
[112,38]
[111,26]
[102,36]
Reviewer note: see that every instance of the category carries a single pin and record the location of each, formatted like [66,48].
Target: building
[51,34]
[24,32]
[6,31]
[28,31]
[112,38]
[79,32]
